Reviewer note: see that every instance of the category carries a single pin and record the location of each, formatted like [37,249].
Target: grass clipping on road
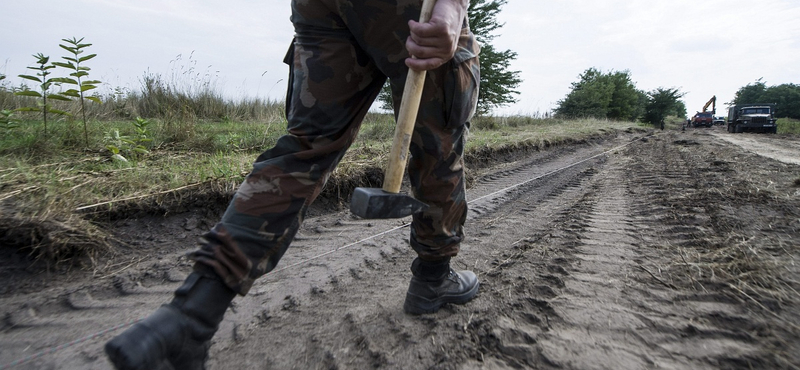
[55,207]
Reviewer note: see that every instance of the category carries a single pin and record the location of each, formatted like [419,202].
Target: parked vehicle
[752,117]
[706,118]
[719,121]
[703,119]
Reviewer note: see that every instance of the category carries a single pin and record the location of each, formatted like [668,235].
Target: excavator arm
[713,103]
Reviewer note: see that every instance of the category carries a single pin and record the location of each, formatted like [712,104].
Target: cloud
[705,47]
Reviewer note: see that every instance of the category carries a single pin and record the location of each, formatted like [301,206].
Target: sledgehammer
[388,202]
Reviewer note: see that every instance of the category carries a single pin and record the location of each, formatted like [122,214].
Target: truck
[753,118]
[706,118]
[703,119]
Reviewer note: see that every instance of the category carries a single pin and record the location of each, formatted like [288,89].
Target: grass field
[57,172]
[788,126]
[55,178]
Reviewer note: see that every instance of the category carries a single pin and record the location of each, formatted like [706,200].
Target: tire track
[135,293]
[571,265]
[374,301]
[611,306]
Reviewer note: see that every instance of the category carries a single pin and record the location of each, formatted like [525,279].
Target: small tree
[752,93]
[498,84]
[78,71]
[662,102]
[611,95]
[44,86]
[7,121]
[121,146]
[589,97]
[787,98]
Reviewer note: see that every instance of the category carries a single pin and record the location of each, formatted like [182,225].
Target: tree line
[613,95]
[785,96]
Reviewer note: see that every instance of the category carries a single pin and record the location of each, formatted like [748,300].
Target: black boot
[435,283]
[179,332]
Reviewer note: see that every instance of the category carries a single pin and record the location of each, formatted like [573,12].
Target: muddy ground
[643,250]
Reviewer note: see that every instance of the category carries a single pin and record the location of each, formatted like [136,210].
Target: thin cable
[342,247]
[469,202]
[65,345]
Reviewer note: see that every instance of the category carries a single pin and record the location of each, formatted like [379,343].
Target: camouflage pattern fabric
[342,53]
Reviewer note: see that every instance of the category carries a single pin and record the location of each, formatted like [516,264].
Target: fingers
[425,64]
[431,39]
[432,44]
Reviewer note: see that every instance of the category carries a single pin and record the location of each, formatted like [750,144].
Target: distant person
[341,55]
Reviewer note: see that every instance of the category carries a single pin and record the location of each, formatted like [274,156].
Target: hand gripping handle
[406,117]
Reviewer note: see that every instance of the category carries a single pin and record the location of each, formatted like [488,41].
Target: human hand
[434,43]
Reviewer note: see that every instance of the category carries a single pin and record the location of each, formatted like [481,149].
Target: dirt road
[662,250]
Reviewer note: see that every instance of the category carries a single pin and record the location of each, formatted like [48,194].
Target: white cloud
[704,47]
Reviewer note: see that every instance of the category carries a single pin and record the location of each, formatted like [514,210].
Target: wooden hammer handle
[406,117]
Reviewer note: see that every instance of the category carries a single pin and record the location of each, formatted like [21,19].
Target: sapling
[118,144]
[142,134]
[79,71]
[7,121]
[44,85]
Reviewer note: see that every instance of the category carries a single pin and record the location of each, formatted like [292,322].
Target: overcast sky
[702,47]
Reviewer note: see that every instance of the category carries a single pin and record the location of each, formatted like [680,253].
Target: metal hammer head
[376,203]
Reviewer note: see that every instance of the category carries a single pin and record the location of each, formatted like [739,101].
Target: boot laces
[453,276]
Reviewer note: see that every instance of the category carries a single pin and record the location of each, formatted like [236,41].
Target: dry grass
[739,262]
[788,126]
[751,251]
[732,226]
[55,202]
[53,239]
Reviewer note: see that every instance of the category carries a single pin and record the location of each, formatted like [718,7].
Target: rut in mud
[665,250]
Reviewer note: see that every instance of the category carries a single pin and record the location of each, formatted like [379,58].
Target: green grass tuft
[788,126]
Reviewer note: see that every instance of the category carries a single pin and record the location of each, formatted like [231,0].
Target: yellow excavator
[713,103]
[706,118]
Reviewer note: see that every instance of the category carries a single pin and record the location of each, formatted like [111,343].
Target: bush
[788,126]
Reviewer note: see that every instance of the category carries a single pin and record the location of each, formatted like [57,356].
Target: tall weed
[78,73]
[788,126]
[45,83]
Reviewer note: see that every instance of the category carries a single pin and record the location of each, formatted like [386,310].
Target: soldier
[341,55]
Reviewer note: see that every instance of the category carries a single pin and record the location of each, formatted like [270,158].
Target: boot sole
[417,305]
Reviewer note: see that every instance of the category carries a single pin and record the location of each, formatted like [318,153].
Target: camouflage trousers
[342,53]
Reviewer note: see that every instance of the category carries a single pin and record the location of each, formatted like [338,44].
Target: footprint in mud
[292,304]
[24,317]
[84,301]
[125,285]
[355,273]
[542,308]
[553,280]
[512,340]
[544,291]
[556,269]
[684,142]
